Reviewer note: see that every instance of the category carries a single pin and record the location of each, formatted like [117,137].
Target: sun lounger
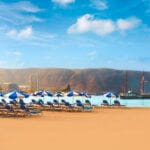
[2,105]
[56,105]
[34,106]
[67,107]
[21,102]
[78,106]
[40,102]
[4,101]
[22,111]
[105,103]
[78,101]
[62,102]
[10,111]
[88,106]
[53,106]
[43,106]
[117,104]
[55,102]
[49,103]
[7,111]
[3,109]
[28,111]
[33,101]
[87,102]
[14,104]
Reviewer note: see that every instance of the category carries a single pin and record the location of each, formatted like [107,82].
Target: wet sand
[103,129]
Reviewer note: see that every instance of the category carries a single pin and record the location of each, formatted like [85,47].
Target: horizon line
[92,68]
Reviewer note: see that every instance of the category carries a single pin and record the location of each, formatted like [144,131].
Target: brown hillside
[90,80]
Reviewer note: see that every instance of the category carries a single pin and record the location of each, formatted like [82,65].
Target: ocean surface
[95,100]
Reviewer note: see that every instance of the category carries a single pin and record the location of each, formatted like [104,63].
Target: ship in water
[129,94]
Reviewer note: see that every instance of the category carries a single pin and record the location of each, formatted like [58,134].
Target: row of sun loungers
[116,103]
[16,110]
[61,106]
[20,108]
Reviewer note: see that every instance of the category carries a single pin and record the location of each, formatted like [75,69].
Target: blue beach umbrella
[72,94]
[44,93]
[1,94]
[14,95]
[84,94]
[59,95]
[25,94]
[81,93]
[111,95]
[116,94]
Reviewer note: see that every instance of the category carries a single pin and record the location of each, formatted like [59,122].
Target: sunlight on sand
[106,129]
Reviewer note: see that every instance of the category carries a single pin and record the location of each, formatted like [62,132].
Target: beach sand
[103,129]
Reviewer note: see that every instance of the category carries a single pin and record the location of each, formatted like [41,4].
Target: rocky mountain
[90,80]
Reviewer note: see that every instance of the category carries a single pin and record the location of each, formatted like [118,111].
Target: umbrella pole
[73,100]
[83,99]
[43,98]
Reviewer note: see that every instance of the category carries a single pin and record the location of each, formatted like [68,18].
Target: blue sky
[75,34]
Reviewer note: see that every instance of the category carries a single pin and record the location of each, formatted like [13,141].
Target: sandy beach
[106,129]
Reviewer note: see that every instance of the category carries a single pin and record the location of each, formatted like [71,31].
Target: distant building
[9,87]
[25,88]
[34,83]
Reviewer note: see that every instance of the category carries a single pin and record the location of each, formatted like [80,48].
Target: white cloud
[125,24]
[100,4]
[29,35]
[22,34]
[87,23]
[63,2]
[25,6]
[19,13]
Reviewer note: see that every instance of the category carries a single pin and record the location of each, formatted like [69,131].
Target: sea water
[95,100]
